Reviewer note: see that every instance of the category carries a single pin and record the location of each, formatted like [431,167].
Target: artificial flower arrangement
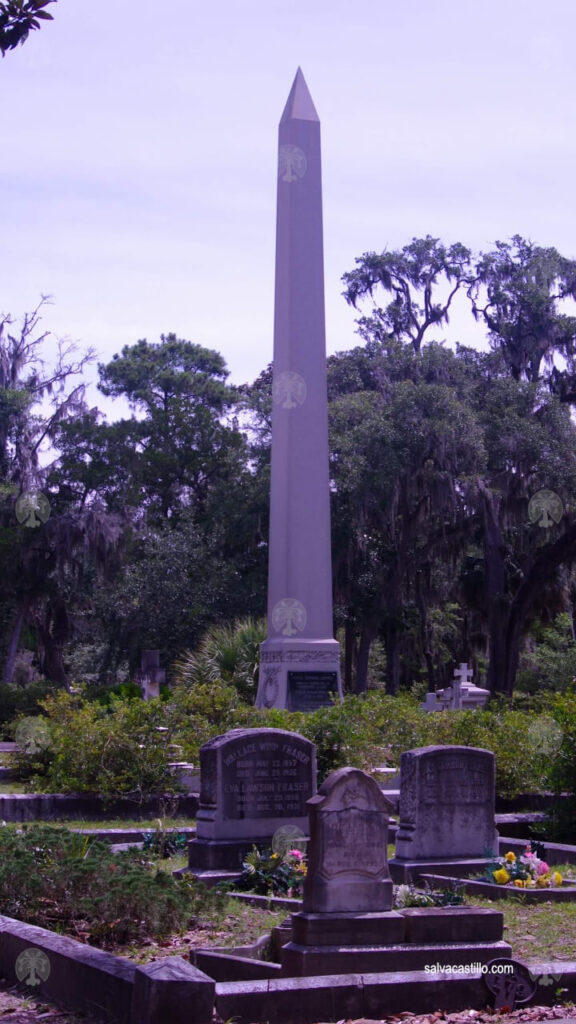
[273,874]
[527,871]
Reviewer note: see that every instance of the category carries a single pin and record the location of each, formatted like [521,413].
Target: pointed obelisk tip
[299,105]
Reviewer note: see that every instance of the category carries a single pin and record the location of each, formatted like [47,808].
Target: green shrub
[549,664]
[16,701]
[230,653]
[118,750]
[564,767]
[63,880]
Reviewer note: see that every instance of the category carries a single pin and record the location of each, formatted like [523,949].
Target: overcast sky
[139,144]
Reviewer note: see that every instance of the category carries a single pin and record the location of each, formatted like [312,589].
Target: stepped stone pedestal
[347,924]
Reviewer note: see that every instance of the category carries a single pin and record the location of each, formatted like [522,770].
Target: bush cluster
[67,882]
[125,746]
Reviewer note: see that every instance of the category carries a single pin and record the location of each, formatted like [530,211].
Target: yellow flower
[556,878]
[543,881]
[529,883]
[501,876]
[519,883]
[511,857]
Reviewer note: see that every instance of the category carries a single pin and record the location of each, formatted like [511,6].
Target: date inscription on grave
[266,779]
[310,690]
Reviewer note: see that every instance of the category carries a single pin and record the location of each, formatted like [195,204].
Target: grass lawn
[540,931]
[129,824]
[7,787]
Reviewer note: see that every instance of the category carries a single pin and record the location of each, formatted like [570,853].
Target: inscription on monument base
[310,690]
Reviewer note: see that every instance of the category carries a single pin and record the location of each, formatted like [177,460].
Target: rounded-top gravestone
[252,781]
[347,856]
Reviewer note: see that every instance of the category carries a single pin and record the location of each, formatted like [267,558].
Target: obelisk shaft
[300,624]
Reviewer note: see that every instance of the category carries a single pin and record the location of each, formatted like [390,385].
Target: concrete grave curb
[53,806]
[372,996]
[107,986]
[171,989]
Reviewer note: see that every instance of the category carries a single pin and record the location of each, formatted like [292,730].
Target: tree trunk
[392,655]
[15,641]
[53,631]
[548,560]
[349,654]
[362,660]
[425,635]
[498,605]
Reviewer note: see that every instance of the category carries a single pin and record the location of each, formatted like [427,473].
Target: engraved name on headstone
[252,781]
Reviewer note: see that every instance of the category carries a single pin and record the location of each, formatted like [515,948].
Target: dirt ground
[18,1009]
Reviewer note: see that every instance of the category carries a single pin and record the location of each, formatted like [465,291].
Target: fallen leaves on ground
[524,1015]
[16,1008]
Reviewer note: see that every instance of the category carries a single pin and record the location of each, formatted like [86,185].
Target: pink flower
[296,853]
[543,868]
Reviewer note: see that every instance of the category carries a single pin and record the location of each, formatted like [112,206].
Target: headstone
[346,924]
[347,857]
[151,677]
[252,781]
[462,694]
[300,664]
[447,806]
[431,703]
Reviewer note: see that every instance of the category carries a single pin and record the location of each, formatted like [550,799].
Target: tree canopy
[158,525]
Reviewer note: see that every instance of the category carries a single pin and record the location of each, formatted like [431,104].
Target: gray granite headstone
[447,796]
[252,781]
[347,854]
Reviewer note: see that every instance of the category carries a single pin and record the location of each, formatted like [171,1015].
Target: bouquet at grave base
[409,896]
[273,874]
[527,871]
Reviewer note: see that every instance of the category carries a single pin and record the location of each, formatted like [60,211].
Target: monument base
[408,940]
[404,871]
[219,854]
[299,675]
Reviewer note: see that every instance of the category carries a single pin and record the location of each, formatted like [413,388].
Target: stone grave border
[493,891]
[112,988]
[47,807]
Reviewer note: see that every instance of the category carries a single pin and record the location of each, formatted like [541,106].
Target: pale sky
[139,146]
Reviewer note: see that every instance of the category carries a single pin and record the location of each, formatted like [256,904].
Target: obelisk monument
[300,657]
